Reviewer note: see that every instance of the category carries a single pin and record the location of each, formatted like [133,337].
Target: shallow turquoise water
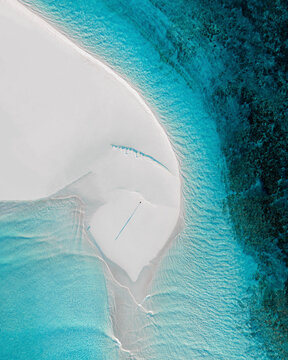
[53,294]
[200,297]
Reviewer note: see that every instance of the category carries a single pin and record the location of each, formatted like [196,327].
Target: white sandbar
[66,118]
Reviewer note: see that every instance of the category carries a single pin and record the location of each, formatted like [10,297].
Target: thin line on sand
[128,220]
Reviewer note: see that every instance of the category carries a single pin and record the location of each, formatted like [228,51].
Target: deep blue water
[206,300]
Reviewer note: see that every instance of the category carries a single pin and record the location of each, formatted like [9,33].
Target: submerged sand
[69,125]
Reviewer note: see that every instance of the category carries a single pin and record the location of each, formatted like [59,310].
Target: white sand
[64,117]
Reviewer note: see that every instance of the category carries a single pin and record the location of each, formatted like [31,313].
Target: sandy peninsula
[69,125]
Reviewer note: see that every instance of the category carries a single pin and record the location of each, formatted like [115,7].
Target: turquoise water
[53,292]
[199,303]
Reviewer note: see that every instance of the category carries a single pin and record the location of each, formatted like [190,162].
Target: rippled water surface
[199,303]
[54,298]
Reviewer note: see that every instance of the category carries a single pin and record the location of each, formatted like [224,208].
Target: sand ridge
[71,126]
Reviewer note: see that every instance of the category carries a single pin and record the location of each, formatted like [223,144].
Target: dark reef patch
[237,54]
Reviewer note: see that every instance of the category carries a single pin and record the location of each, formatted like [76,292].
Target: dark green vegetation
[236,52]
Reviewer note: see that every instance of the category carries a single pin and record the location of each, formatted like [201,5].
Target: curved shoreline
[102,63]
[159,191]
[212,278]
